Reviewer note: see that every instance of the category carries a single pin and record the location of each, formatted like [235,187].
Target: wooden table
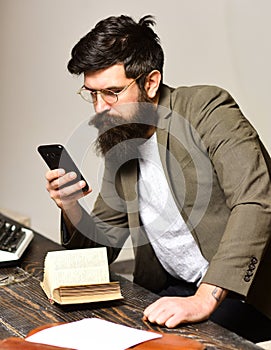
[24,306]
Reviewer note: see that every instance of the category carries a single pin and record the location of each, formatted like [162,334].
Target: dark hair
[119,40]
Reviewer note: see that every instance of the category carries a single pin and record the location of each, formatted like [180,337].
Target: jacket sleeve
[242,167]
[106,226]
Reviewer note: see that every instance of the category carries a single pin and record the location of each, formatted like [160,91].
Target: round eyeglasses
[109,96]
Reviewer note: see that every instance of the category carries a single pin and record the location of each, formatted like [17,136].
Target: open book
[78,276]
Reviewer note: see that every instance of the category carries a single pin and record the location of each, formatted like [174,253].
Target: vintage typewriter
[14,239]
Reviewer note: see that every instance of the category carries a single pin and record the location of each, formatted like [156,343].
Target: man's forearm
[72,215]
[70,219]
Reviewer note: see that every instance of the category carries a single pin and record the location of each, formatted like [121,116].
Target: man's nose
[100,105]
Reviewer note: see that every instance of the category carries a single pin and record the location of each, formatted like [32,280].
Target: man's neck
[151,131]
[152,128]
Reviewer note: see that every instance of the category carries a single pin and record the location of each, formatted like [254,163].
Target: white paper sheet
[92,333]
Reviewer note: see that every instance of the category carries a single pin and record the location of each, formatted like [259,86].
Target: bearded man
[186,176]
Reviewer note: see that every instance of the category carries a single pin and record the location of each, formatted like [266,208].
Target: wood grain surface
[24,306]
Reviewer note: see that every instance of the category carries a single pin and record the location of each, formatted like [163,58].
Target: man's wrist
[217,294]
[211,295]
[73,214]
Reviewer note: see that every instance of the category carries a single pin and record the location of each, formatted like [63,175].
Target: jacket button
[254,260]
[251,266]
[246,278]
[249,273]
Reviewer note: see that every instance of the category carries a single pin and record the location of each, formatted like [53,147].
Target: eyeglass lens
[108,96]
[91,96]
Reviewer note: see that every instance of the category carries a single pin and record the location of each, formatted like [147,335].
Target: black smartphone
[56,156]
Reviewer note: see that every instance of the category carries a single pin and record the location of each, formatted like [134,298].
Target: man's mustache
[105,121]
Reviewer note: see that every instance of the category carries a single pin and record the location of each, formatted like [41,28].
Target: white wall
[221,42]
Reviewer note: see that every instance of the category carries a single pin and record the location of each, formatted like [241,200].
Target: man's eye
[89,90]
[109,92]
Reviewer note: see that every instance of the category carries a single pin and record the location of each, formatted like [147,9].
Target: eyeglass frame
[93,93]
[18,276]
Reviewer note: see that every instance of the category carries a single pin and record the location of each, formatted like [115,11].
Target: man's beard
[119,137]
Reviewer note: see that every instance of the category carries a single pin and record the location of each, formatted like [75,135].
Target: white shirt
[168,234]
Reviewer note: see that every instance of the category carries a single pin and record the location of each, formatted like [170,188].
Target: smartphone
[56,156]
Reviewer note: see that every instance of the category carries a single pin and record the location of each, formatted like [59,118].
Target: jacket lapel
[173,150]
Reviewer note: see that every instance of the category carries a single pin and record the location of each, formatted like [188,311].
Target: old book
[78,276]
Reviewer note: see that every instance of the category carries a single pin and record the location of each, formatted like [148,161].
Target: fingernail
[82,184]
[61,172]
[72,175]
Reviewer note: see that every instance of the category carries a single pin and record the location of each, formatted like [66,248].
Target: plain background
[219,42]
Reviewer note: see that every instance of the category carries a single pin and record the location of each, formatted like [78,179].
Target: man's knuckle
[52,195]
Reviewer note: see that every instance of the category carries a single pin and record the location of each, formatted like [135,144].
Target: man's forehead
[111,76]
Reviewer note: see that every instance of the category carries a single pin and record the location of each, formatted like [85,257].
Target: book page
[76,267]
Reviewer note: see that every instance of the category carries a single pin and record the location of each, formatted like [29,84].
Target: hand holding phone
[56,156]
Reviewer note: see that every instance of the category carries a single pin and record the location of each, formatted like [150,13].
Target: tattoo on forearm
[217,293]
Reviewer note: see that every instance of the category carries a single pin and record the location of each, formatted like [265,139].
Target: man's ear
[152,83]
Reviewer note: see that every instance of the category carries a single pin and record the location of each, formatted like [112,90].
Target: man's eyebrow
[115,87]
[87,88]
[108,88]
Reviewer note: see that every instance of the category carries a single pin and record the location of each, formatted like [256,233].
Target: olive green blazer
[219,175]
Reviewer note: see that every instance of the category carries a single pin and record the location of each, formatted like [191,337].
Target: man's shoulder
[186,97]
[195,91]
